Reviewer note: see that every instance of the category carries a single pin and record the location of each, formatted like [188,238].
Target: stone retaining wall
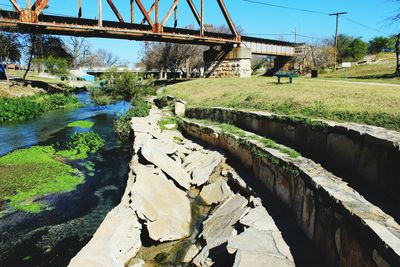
[367,152]
[344,227]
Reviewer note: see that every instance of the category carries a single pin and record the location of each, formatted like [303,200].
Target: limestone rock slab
[219,226]
[259,248]
[216,192]
[164,207]
[202,165]
[190,254]
[115,242]
[259,219]
[155,154]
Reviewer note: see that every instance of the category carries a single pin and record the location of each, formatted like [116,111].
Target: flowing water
[53,237]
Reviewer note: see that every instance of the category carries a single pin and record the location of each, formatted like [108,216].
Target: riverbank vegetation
[129,87]
[29,107]
[307,98]
[140,108]
[42,170]
[117,86]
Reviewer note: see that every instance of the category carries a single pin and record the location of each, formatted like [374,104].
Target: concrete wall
[232,63]
[345,228]
[370,154]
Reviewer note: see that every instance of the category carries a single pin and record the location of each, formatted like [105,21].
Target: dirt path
[361,83]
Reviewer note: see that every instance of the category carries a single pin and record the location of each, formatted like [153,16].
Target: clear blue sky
[253,18]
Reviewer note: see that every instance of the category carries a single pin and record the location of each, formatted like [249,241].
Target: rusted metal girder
[173,7]
[144,12]
[36,4]
[40,6]
[153,6]
[132,11]
[115,10]
[100,18]
[228,18]
[28,19]
[15,4]
[79,8]
[195,13]
[30,13]
[201,17]
[176,17]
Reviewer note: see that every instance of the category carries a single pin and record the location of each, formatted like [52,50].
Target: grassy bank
[27,175]
[34,76]
[381,71]
[374,105]
[29,107]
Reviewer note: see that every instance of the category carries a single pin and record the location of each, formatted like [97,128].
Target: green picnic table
[287,74]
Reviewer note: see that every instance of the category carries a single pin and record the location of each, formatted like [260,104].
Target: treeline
[354,48]
[54,54]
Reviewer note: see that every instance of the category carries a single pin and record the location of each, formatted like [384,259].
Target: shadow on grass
[379,76]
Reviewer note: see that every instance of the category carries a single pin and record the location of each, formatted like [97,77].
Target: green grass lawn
[374,105]
[381,71]
[34,76]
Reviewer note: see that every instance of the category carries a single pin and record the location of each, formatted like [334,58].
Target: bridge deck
[69,26]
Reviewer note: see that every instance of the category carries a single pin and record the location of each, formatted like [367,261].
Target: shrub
[18,109]
[122,86]
[122,126]
[57,66]
[57,101]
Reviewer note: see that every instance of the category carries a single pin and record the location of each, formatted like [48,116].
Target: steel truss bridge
[30,18]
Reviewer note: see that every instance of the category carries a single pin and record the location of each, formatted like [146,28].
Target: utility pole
[295,35]
[336,35]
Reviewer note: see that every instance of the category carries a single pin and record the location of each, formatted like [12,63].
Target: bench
[289,75]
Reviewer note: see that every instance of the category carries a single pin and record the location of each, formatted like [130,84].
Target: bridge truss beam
[151,28]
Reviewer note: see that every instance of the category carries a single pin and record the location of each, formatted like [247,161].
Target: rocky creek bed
[184,205]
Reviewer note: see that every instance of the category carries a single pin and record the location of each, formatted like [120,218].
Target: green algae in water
[28,174]
[81,145]
[81,124]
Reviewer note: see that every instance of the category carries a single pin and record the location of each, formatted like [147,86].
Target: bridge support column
[232,62]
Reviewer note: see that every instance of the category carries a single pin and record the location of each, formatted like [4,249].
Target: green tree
[381,44]
[39,47]
[57,66]
[350,48]
[358,49]
[10,47]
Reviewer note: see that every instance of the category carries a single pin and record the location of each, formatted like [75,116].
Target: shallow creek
[53,237]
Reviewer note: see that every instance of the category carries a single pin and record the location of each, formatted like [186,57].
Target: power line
[287,34]
[315,12]
[365,26]
[287,7]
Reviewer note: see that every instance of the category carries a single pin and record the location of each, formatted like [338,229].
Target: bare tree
[107,59]
[80,50]
[169,56]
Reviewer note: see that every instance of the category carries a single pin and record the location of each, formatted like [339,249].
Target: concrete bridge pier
[231,62]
